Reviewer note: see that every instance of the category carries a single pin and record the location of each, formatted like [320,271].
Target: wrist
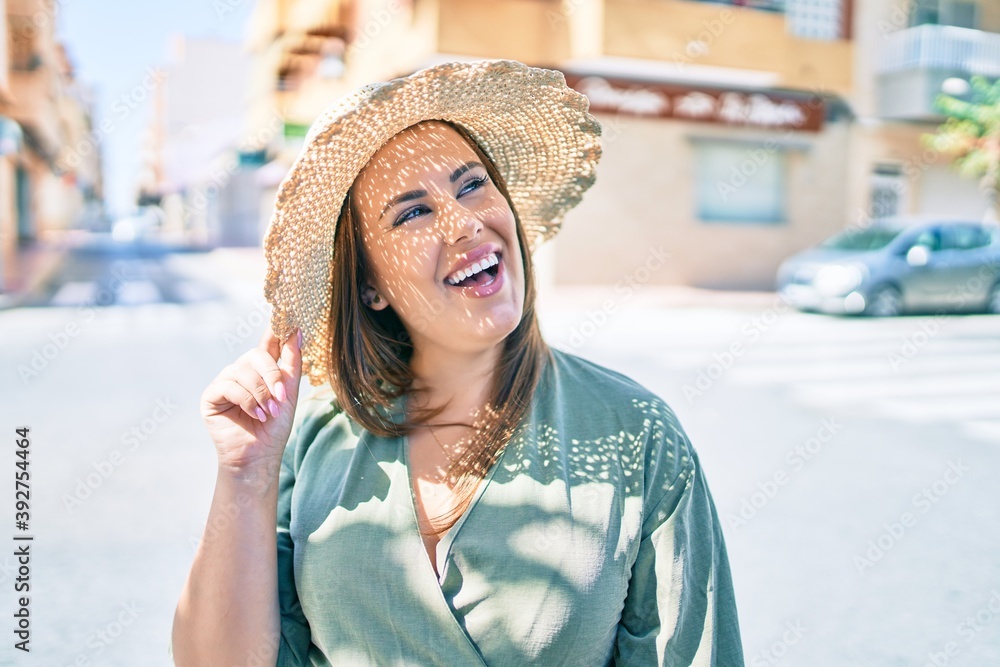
[260,473]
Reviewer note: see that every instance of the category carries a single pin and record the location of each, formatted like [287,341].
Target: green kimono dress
[594,540]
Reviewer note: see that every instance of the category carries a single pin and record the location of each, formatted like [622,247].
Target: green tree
[971,135]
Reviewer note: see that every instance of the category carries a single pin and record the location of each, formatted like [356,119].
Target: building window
[740,182]
[888,185]
[816,19]
[962,13]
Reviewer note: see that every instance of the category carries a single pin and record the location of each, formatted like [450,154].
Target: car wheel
[993,303]
[884,301]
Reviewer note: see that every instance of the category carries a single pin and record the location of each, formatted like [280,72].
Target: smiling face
[428,209]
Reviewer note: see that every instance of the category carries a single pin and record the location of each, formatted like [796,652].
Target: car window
[929,238]
[964,237]
[871,238]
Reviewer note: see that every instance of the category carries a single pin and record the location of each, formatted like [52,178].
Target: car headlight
[837,279]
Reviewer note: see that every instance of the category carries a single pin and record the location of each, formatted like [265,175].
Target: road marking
[75,293]
[138,292]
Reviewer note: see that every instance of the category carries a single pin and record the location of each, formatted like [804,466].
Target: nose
[458,223]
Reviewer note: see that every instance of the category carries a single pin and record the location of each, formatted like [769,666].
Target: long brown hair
[371,352]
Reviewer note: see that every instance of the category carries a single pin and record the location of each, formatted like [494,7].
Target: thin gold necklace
[447,455]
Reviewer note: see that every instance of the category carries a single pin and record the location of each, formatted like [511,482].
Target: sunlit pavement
[853,461]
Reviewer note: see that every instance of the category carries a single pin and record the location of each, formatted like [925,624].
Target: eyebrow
[417,194]
[455,175]
[406,196]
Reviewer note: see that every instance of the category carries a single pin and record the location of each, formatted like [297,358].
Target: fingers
[272,344]
[229,391]
[269,342]
[291,355]
[260,375]
[262,380]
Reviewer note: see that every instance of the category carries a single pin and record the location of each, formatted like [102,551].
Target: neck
[463,378]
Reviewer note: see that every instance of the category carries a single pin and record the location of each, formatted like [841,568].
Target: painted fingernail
[272,407]
[279,391]
[300,337]
[260,414]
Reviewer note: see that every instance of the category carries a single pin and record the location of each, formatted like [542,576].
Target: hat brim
[535,129]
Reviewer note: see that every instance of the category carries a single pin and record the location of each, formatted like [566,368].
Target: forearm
[228,609]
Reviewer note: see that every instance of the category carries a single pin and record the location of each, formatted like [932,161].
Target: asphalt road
[853,462]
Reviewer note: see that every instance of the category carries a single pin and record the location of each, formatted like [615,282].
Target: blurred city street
[853,461]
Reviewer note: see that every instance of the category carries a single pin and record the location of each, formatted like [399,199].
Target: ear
[373,299]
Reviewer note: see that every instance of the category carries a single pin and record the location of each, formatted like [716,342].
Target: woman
[464,495]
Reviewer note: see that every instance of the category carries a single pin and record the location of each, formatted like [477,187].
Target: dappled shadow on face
[424,202]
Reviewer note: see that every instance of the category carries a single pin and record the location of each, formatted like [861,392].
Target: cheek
[406,266]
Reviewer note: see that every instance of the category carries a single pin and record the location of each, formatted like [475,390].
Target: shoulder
[606,401]
[593,378]
[318,416]
[597,390]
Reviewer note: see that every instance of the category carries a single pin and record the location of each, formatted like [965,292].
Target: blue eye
[405,215]
[476,183]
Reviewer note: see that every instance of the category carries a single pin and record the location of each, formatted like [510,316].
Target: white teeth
[481,265]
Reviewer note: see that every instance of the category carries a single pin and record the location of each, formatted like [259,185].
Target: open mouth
[481,278]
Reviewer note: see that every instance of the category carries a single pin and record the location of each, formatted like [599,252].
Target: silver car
[898,266]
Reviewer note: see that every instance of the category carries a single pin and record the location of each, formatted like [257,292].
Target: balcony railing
[941,47]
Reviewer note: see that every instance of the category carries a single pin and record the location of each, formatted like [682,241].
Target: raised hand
[249,406]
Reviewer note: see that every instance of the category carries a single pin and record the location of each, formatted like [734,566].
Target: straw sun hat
[534,127]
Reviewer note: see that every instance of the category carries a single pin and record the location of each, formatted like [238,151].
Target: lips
[487,287]
[475,272]
[472,257]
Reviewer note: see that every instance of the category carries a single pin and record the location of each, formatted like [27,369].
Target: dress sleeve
[293,647]
[680,608]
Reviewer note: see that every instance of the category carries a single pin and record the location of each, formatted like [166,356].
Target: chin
[473,336]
